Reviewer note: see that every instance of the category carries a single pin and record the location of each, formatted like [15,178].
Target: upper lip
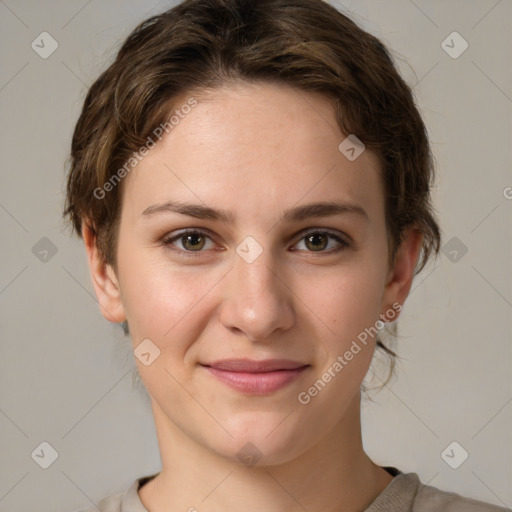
[251,366]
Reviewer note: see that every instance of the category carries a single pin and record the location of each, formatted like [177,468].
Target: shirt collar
[398,496]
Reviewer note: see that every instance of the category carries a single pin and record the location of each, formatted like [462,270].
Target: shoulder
[127,501]
[110,504]
[406,493]
[430,498]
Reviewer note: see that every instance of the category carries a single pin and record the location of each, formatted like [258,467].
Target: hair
[200,45]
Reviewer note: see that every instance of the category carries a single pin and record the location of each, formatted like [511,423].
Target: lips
[256,377]
[250,366]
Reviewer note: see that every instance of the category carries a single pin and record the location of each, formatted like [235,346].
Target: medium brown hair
[203,44]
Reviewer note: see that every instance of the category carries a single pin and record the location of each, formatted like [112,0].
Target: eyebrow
[199,211]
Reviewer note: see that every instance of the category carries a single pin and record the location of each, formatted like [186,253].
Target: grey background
[65,372]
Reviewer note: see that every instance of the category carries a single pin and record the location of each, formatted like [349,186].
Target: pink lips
[256,377]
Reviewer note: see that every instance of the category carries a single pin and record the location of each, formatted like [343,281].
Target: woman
[252,184]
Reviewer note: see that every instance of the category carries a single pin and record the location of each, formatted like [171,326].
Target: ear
[104,279]
[400,276]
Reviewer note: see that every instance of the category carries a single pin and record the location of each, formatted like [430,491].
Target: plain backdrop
[66,373]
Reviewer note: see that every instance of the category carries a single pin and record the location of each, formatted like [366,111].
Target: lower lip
[256,383]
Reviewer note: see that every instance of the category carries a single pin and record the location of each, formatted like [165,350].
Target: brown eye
[193,242]
[322,242]
[316,242]
[189,241]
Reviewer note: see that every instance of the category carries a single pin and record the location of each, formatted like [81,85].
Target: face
[253,255]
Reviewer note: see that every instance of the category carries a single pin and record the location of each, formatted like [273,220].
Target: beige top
[405,493]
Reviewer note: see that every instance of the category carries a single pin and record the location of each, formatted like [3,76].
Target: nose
[257,302]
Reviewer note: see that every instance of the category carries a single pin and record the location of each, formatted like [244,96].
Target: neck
[334,475]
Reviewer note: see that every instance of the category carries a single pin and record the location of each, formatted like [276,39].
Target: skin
[255,151]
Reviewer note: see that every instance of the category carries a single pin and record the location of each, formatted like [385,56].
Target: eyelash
[168,242]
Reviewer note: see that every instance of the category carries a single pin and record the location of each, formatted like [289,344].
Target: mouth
[256,377]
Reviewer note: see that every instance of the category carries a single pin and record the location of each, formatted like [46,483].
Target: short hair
[199,45]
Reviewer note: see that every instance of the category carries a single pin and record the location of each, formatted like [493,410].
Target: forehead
[255,146]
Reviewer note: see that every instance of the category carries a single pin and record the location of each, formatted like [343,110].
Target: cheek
[170,309]
[351,306]
[163,303]
[350,298]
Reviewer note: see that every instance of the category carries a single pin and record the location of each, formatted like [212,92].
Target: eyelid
[328,231]
[187,231]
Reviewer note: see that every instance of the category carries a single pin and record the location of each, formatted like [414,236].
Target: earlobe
[401,275]
[104,280]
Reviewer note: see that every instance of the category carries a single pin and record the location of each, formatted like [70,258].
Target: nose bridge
[257,280]
[257,302]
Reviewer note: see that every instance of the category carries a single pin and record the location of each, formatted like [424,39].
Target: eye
[194,241]
[190,241]
[318,241]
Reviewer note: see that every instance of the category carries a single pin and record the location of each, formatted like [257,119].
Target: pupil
[193,240]
[317,238]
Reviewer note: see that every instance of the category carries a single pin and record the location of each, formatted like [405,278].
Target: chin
[261,439]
